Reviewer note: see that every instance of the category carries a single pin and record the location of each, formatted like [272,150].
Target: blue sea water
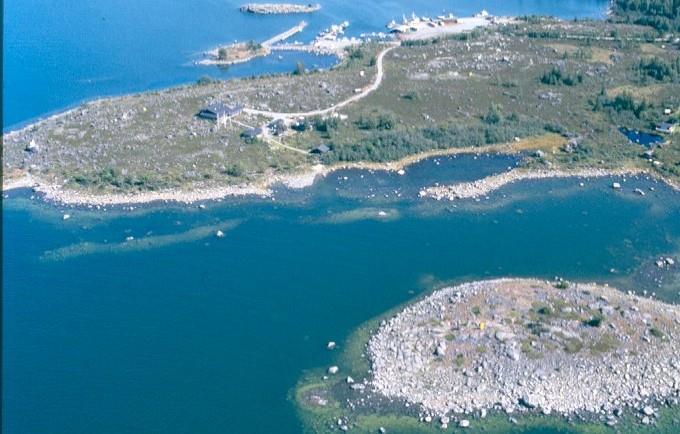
[58,53]
[180,331]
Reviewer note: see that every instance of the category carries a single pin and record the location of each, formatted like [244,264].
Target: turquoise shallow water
[57,53]
[178,331]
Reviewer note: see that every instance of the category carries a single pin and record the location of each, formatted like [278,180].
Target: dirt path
[364,93]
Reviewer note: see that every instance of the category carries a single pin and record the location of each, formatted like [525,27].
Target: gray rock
[504,336]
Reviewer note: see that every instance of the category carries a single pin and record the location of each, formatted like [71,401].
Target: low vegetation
[513,86]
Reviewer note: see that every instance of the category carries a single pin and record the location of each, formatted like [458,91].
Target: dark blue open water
[179,331]
[190,333]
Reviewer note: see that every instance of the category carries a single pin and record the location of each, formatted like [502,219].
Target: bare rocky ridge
[528,345]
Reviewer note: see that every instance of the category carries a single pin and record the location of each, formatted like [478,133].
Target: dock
[285,35]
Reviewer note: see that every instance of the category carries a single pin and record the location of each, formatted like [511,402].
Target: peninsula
[241,52]
[565,95]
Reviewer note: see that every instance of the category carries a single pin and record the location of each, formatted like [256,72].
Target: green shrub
[594,321]
[555,77]
[656,333]
[299,69]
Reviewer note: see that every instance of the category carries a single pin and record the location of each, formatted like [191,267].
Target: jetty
[279,8]
[242,52]
[329,42]
[285,35]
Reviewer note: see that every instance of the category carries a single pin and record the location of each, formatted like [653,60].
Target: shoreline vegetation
[300,180]
[531,353]
[555,91]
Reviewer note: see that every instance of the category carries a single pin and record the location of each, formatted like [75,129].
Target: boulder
[504,336]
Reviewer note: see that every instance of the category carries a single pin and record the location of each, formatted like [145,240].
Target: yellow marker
[482,326]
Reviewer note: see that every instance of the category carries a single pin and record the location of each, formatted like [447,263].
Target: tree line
[662,15]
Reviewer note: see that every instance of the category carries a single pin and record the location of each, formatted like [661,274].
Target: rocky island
[505,349]
[529,345]
[279,8]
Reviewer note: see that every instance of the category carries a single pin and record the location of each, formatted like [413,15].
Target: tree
[299,69]
[222,53]
[253,46]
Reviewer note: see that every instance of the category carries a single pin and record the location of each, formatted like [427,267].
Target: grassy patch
[604,344]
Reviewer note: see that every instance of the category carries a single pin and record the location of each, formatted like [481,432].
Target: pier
[285,35]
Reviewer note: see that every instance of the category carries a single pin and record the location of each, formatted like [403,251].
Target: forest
[662,15]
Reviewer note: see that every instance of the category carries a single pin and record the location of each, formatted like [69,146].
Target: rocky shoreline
[522,345]
[303,179]
[484,186]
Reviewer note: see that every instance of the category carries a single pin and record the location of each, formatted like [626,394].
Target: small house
[321,149]
[667,127]
[220,112]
